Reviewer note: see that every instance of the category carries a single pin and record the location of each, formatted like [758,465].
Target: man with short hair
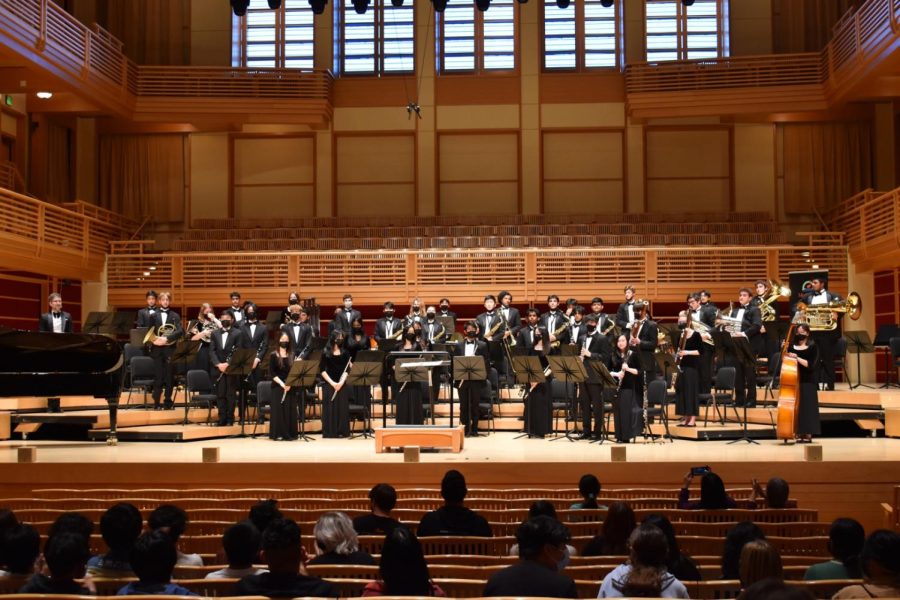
[470,391]
[285,557]
[825,340]
[223,344]
[345,315]
[745,372]
[542,554]
[556,323]
[383,498]
[593,347]
[143,315]
[163,349]
[626,313]
[264,512]
[55,320]
[20,549]
[120,527]
[236,310]
[173,520]
[241,545]
[153,560]
[453,518]
[66,555]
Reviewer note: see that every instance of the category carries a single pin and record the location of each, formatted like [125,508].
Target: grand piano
[62,364]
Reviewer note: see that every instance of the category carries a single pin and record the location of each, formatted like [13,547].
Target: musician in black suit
[344,318]
[825,340]
[706,301]
[644,344]
[388,327]
[163,348]
[444,309]
[578,326]
[223,343]
[143,315]
[626,314]
[604,321]
[257,337]
[533,339]
[298,329]
[55,320]
[553,321]
[511,314]
[751,322]
[593,347]
[490,323]
[236,310]
[706,315]
[765,345]
[533,336]
[470,392]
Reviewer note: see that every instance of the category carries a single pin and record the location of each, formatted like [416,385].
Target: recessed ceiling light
[44,95]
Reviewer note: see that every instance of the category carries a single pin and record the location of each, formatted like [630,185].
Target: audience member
[880,559]
[241,544]
[382,498]
[645,574]
[120,527]
[712,493]
[759,560]
[544,508]
[845,542]
[264,512]
[774,589]
[776,494]
[453,518]
[613,539]
[678,564]
[8,520]
[735,539]
[21,550]
[542,549]
[72,522]
[66,554]
[337,542]
[173,520]
[285,557]
[589,488]
[153,559]
[402,570]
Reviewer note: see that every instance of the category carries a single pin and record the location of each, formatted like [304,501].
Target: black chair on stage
[563,402]
[130,351]
[895,356]
[489,403]
[200,391]
[722,395]
[263,403]
[658,403]
[141,375]
[767,380]
[840,358]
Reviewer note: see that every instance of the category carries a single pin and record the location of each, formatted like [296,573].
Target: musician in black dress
[592,346]
[538,404]
[335,394]
[357,340]
[222,346]
[143,315]
[807,354]
[163,348]
[409,394]
[687,385]
[283,424]
[470,392]
[626,367]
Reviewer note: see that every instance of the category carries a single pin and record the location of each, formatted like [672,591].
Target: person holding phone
[712,491]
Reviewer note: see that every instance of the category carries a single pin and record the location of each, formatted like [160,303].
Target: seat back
[656,392]
[264,393]
[142,367]
[198,381]
[131,351]
[725,377]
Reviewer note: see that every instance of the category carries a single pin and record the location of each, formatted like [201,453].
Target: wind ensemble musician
[358,340]
[625,315]
[284,415]
[237,312]
[603,320]
[298,330]
[751,322]
[511,326]
[556,323]
[644,339]
[826,340]
[707,316]
[687,385]
[534,340]
[257,337]
[143,315]
[293,298]
[343,317]
[223,344]
[387,328]
[201,331]
[410,395]
[162,350]
[593,347]
[335,394]
[806,351]
[470,392]
[444,309]
[626,368]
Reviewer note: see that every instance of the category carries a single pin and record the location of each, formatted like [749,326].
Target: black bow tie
[163,310]
[57,315]
[296,324]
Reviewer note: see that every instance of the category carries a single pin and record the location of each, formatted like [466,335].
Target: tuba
[776,291]
[823,317]
[161,331]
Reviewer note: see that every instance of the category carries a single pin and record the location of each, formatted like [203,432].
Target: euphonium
[161,331]
[728,323]
[821,317]
[701,328]
[776,291]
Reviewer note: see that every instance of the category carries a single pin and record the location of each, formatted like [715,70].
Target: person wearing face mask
[410,395]
[470,392]
[335,393]
[346,314]
[293,299]
[298,330]
[283,424]
[807,354]
[687,385]
[163,349]
[532,339]
[257,336]
[222,346]
[388,327]
[593,346]
[356,341]
[444,310]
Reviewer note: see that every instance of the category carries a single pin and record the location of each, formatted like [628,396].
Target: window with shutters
[583,35]
[474,41]
[281,38]
[675,31]
[380,41]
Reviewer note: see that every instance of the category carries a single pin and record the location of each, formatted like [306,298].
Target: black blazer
[513,321]
[344,318]
[45,323]
[219,352]
[648,336]
[143,316]
[381,328]
[173,317]
[234,312]
[485,324]
[481,349]
[708,314]
[563,336]
[622,315]
[604,321]
[260,341]
[577,338]
[751,321]
[524,340]
[601,349]
[301,340]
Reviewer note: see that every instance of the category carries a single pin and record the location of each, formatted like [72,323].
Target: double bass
[789,388]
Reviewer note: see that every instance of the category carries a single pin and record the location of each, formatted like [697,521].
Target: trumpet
[821,317]
[776,291]
[161,331]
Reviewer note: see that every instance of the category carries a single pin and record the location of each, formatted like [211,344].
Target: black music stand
[528,370]
[367,374]
[241,364]
[883,340]
[97,322]
[607,381]
[449,325]
[185,351]
[744,352]
[412,374]
[273,320]
[569,369]
[859,342]
[450,349]
[666,363]
[467,368]
[122,322]
[303,375]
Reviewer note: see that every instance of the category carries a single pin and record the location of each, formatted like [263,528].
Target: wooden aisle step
[180,433]
[39,403]
[99,419]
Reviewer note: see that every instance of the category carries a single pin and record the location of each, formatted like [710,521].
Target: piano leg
[113,402]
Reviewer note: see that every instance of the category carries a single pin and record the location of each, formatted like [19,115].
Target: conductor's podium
[423,436]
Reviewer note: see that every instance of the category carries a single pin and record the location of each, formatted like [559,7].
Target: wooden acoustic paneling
[375,174]
[478,173]
[584,171]
[273,175]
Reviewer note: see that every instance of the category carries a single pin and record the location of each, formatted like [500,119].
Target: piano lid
[30,352]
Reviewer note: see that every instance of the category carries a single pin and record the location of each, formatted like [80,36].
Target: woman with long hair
[626,367]
[712,493]
[284,416]
[410,394]
[735,540]
[679,564]
[807,354]
[645,574]
[335,394]
[759,560]
[402,570]
[845,542]
[613,539]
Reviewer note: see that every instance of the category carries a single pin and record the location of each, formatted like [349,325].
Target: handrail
[871,222]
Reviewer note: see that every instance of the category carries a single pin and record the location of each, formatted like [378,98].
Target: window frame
[478,41]
[379,6]
[581,39]
[723,33]
[239,41]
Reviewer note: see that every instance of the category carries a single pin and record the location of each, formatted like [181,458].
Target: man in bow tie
[825,340]
[55,321]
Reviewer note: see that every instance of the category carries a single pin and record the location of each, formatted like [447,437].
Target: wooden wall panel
[583,171]
[375,174]
[886,307]
[478,172]
[273,176]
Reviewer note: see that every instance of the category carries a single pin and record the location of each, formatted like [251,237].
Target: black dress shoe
[582,436]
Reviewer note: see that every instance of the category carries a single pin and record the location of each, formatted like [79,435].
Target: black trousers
[826,341]
[227,391]
[162,358]
[469,398]
[590,400]
[705,368]
[744,382]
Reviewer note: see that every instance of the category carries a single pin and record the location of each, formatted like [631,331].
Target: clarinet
[347,366]
[624,362]
[228,360]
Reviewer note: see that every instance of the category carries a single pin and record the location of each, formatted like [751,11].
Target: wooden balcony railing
[664,274]
[871,225]
[10,178]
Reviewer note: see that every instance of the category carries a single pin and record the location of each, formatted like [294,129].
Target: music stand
[528,370]
[367,374]
[303,376]
[467,368]
[122,322]
[388,346]
[97,322]
[241,364]
[744,353]
[606,380]
[136,336]
[859,342]
[406,373]
[569,369]
[666,363]
[273,320]
[185,351]
[883,340]
[449,324]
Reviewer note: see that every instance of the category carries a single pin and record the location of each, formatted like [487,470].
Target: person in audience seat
[880,559]
[712,493]
[402,570]
[542,554]
[383,498]
[776,494]
[845,542]
[759,561]
[735,540]
[613,539]
[120,526]
[20,549]
[264,512]
[66,555]
[774,589]
[589,488]
[453,518]
[153,560]
[678,564]
[241,544]
[337,542]
[173,521]
[72,522]
[285,557]
[645,574]
[544,508]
